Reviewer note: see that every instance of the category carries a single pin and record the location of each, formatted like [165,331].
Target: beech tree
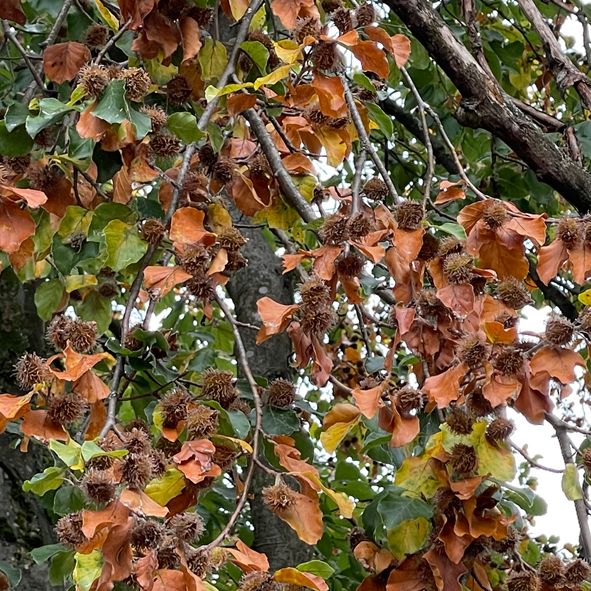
[263,270]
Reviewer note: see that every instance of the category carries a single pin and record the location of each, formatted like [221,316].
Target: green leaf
[257,52]
[279,422]
[50,111]
[61,567]
[105,213]
[240,423]
[88,568]
[16,142]
[50,479]
[166,487]
[48,297]
[68,499]
[16,115]
[184,126]
[529,501]
[69,453]
[570,483]
[378,116]
[316,567]
[44,553]
[408,537]
[91,450]
[75,221]
[13,574]
[396,508]
[122,245]
[96,307]
[454,229]
[213,58]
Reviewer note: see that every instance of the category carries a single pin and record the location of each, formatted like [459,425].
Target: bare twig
[356,184]
[111,42]
[533,462]
[10,34]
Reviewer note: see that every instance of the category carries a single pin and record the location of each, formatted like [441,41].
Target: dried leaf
[247,559]
[62,62]
[292,576]
[160,280]
[186,227]
[275,317]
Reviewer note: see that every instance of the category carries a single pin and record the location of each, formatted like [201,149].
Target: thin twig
[111,42]
[356,185]
[36,76]
[533,462]
[365,142]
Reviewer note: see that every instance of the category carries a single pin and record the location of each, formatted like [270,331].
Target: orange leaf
[89,126]
[16,225]
[368,401]
[91,387]
[331,95]
[61,62]
[93,521]
[291,261]
[450,192]
[190,38]
[77,364]
[373,557]
[445,387]
[139,501]
[397,45]
[372,58]
[292,576]
[580,258]
[186,227]
[11,406]
[160,280]
[459,298]
[240,102]
[304,517]
[559,363]
[37,424]
[275,317]
[245,195]
[287,11]
[219,262]
[404,428]
[96,420]
[550,260]
[32,197]
[248,559]
[195,460]
[297,163]
[499,389]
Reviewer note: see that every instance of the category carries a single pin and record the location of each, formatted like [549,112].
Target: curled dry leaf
[337,423]
[77,364]
[160,280]
[247,559]
[275,317]
[195,460]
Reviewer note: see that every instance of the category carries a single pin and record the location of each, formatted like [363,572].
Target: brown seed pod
[349,264]
[449,246]
[306,27]
[585,320]
[569,232]
[586,460]
[137,83]
[429,248]
[281,393]
[334,230]
[174,406]
[356,536]
[194,259]
[463,459]
[198,562]
[240,405]
[207,156]
[178,90]
[279,497]
[68,530]
[559,330]
[343,20]
[174,9]
[67,408]
[57,332]
[218,385]
[523,581]
[409,399]
[224,456]
[164,144]
[457,268]
[187,526]
[375,189]
[96,36]
[93,79]
[146,534]
[159,462]
[316,116]
[223,171]
[168,448]
[258,581]
[326,57]
[358,226]
[513,293]
[473,351]
[136,470]
[167,554]
[478,405]
[551,571]
[157,116]
[365,15]
[43,178]
[203,16]
[17,164]
[202,422]
[82,335]
[152,230]
[98,486]
[137,441]
[315,321]
[459,421]
[499,430]
[365,95]
[231,239]
[577,572]
[495,214]
[331,5]
[428,305]
[508,361]
[409,215]
[30,370]
[201,287]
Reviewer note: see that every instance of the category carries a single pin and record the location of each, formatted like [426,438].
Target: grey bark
[24,524]
[263,277]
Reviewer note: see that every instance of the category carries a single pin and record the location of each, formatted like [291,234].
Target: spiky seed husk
[178,90]
[375,189]
[349,264]
[429,305]
[463,459]
[334,230]
[157,116]
[331,5]
[174,9]
[108,289]
[202,422]
[159,462]
[409,215]
[93,79]
[174,406]
[409,399]
[167,554]
[569,232]
[366,95]
[279,497]
[240,405]
[98,486]
[194,259]
[315,292]
[499,430]
[44,177]
[551,571]
[559,330]
[457,268]
[207,156]
[68,529]
[30,370]
[18,164]
[198,562]
[585,320]
[164,144]
[152,230]
[508,361]
[358,226]
[325,56]
[306,27]
[187,526]
[586,460]
[449,245]
[343,20]
[257,581]
[459,421]
[137,441]
[46,137]
[137,83]
[315,321]
[472,351]
[577,572]
[478,405]
[146,534]
[203,16]
[218,385]
[168,448]
[281,393]
[96,36]
[365,15]
[523,581]
[429,248]
[356,536]
[82,335]
[495,214]
[67,408]
[513,293]
[201,287]
[231,239]
[223,171]
[136,470]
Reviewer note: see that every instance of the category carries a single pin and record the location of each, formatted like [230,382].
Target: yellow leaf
[166,487]
[212,92]
[107,15]
[238,8]
[218,217]
[337,424]
[416,475]
[585,297]
[272,78]
[493,460]
[408,537]
[259,19]
[292,576]
[74,282]
[239,442]
[288,51]
[88,568]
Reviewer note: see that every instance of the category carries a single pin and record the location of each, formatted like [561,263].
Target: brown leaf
[331,95]
[369,401]
[136,10]
[77,364]
[89,126]
[139,501]
[195,460]
[287,11]
[91,387]
[186,227]
[31,197]
[559,363]
[445,387]
[397,45]
[305,517]
[245,196]
[62,62]
[372,58]
[499,389]
[459,298]
[16,225]
[240,102]
[37,424]
[93,521]
[449,191]
[550,260]
[247,559]
[12,11]
[191,40]
[275,317]
[372,557]
[160,280]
